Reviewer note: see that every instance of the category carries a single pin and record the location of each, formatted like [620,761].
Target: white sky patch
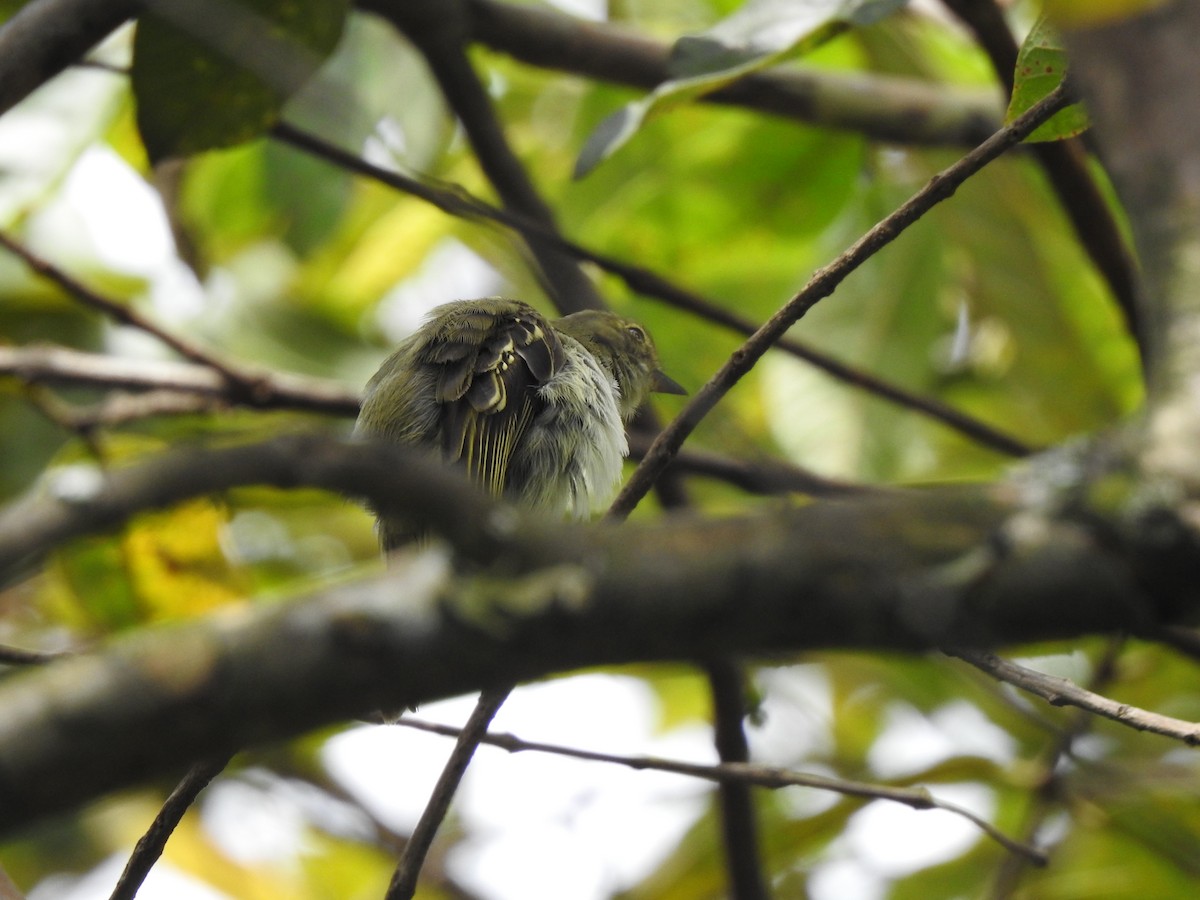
[123,214]
[911,741]
[595,10]
[451,272]
[895,840]
[541,826]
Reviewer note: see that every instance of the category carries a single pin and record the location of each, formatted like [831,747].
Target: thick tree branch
[961,567]
[46,36]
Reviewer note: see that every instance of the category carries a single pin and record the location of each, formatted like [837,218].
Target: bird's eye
[637,332]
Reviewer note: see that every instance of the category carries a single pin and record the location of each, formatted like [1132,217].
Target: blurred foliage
[288,262]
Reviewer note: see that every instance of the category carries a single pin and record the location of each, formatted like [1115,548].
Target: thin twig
[150,846]
[1064,692]
[772,777]
[404,880]
[821,285]
[167,388]
[1046,794]
[455,201]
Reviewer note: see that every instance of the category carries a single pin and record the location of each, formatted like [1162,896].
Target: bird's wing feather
[490,360]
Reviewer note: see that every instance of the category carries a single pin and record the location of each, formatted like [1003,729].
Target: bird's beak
[665,384]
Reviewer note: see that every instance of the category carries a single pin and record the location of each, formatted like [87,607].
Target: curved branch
[771,777]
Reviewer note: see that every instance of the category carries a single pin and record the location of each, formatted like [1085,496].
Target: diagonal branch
[438,28]
[404,880]
[821,285]
[150,847]
[1064,692]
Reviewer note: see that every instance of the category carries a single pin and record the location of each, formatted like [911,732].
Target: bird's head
[625,350]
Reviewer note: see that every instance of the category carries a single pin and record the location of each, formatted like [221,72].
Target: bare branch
[1049,781]
[1063,692]
[16,656]
[43,38]
[771,777]
[150,846]
[404,881]
[438,29]
[739,820]
[821,285]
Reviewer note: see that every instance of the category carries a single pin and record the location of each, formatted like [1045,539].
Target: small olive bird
[534,409]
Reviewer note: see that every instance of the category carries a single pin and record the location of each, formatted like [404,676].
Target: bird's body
[534,409]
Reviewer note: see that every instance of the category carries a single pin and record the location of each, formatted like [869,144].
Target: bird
[533,409]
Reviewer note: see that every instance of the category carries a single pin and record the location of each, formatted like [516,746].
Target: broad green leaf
[215,75]
[1041,67]
[760,34]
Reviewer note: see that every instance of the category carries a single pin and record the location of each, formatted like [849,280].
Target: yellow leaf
[176,563]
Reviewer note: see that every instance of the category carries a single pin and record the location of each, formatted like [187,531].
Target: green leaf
[760,34]
[1041,67]
[208,76]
